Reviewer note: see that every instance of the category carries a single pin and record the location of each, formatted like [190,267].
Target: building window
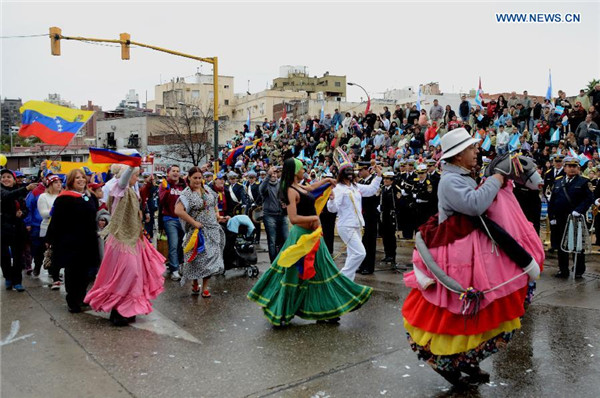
[195,94]
[338,84]
[226,86]
[226,102]
[262,108]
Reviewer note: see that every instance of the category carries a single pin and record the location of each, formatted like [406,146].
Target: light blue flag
[549,91]
[435,141]
[477,135]
[419,100]
[337,126]
[497,122]
[583,159]
[248,121]
[487,143]
[323,110]
[274,134]
[301,155]
[364,152]
[314,127]
[559,110]
[514,142]
[293,149]
[363,143]
[555,137]
[565,121]
[480,116]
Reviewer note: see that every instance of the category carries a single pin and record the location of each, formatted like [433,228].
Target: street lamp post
[363,89]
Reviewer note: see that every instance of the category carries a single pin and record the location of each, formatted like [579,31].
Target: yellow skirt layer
[446,344]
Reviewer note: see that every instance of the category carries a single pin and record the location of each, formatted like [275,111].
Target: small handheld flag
[514,142]
[322,110]
[435,141]
[419,100]
[487,143]
[549,91]
[555,137]
[559,110]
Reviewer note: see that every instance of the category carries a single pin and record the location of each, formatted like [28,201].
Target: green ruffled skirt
[329,294]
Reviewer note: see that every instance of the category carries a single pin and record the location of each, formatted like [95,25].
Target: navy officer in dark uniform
[388,205]
[371,217]
[424,196]
[571,195]
[549,180]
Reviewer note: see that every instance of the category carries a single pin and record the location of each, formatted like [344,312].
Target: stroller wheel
[250,272]
[254,271]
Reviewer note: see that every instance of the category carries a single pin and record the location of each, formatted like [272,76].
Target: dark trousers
[76,282]
[37,249]
[369,241]
[388,234]
[406,219]
[328,225]
[556,234]
[578,259]
[256,233]
[12,259]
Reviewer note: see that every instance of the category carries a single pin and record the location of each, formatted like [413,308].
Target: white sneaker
[56,286]
[175,276]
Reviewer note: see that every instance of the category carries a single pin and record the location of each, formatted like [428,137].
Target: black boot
[476,374]
[117,319]
[453,377]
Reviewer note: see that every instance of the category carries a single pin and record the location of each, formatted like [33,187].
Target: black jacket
[576,196]
[73,232]
[9,196]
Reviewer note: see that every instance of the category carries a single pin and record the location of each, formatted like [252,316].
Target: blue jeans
[276,228]
[174,232]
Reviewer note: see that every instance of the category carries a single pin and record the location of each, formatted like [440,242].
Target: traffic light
[55,35]
[124,45]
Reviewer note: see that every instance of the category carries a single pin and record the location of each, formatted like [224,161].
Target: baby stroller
[239,247]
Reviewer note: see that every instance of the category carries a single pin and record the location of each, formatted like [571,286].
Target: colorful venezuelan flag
[234,153]
[302,254]
[101,155]
[321,196]
[53,124]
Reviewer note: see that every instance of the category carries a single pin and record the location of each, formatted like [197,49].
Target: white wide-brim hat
[455,141]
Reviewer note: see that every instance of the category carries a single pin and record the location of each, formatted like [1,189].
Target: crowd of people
[388,174]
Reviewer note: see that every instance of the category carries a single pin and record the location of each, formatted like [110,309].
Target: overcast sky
[380,46]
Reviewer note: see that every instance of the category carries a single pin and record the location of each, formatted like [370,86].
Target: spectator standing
[169,193]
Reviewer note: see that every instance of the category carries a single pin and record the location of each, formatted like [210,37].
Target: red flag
[368,106]
[101,155]
[284,115]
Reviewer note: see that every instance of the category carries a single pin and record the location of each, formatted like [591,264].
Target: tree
[590,86]
[187,132]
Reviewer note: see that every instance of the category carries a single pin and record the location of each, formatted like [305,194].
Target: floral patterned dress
[202,209]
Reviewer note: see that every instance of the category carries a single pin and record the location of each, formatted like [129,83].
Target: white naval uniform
[347,204]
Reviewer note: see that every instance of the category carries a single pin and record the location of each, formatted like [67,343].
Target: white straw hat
[455,141]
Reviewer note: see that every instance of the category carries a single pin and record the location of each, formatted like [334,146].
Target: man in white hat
[456,192]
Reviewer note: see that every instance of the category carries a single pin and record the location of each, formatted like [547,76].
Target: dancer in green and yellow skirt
[304,280]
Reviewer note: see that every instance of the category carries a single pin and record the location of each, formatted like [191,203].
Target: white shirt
[44,205]
[347,202]
[502,138]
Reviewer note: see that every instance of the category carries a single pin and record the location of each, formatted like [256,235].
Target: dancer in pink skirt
[131,271]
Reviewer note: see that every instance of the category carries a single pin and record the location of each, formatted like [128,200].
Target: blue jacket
[33,218]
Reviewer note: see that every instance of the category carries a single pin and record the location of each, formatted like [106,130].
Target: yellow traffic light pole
[124,40]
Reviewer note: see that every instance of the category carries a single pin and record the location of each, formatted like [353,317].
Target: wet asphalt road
[223,347]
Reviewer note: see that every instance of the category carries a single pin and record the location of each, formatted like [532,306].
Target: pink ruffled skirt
[128,279]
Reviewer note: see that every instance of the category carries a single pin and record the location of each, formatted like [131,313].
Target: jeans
[174,232]
[277,230]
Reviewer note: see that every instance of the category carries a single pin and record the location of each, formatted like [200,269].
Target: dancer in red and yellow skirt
[473,264]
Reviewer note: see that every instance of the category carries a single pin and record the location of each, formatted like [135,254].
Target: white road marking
[14,330]
[155,322]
